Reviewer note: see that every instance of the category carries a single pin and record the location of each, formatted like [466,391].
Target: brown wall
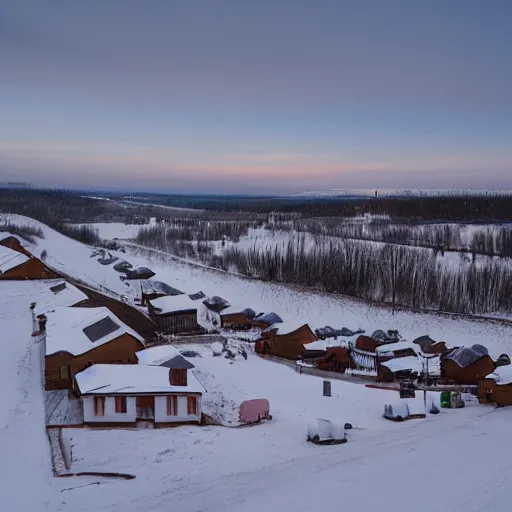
[119,350]
[469,375]
[176,323]
[288,345]
[31,269]
[237,321]
[366,343]
[499,395]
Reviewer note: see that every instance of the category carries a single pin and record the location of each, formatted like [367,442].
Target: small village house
[151,290]
[285,339]
[79,337]
[237,319]
[265,320]
[17,265]
[398,368]
[176,315]
[496,388]
[336,359]
[117,394]
[467,365]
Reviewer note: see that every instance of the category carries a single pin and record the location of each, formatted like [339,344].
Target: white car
[325,432]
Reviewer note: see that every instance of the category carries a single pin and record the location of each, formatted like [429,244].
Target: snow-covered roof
[398,364]
[21,240]
[466,356]
[287,327]
[395,347]
[10,259]
[325,344]
[502,375]
[161,355]
[127,379]
[59,294]
[149,286]
[268,318]
[174,304]
[78,330]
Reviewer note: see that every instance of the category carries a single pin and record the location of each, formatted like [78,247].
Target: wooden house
[397,368]
[151,290]
[265,320]
[79,337]
[237,319]
[366,343]
[15,242]
[336,359]
[175,315]
[120,394]
[18,265]
[467,365]
[496,388]
[285,339]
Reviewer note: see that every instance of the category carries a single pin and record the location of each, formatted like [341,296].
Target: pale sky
[273,96]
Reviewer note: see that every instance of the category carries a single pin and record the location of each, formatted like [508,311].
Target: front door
[145,407]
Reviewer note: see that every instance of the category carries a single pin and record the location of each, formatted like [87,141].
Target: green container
[446,401]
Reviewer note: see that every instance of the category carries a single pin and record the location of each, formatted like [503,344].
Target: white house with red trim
[124,393]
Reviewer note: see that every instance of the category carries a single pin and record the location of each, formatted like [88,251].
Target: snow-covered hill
[367,193]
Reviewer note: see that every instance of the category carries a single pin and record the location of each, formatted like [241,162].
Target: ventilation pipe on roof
[42,323]
[34,320]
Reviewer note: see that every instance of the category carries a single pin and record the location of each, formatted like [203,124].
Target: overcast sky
[276,96]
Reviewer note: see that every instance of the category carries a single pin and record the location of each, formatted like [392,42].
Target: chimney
[34,320]
[42,323]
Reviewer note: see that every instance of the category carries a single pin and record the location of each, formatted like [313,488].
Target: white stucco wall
[111,416]
[161,410]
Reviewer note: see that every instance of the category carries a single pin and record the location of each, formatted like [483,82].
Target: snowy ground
[291,303]
[427,465]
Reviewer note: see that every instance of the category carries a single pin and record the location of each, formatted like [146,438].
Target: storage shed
[175,315]
[496,388]
[285,339]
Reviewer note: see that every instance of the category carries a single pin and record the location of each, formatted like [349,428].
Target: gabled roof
[396,347]
[174,304]
[287,327]
[10,259]
[149,287]
[163,355]
[21,240]
[399,364]
[268,318]
[127,379]
[502,375]
[79,330]
[59,294]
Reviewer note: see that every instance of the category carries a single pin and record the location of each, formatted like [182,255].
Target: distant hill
[366,193]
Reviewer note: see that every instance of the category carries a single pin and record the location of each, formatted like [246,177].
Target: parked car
[325,432]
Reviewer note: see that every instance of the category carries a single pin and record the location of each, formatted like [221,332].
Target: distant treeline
[471,207]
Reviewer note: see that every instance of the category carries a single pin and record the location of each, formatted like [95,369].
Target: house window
[178,377]
[192,405]
[64,373]
[121,404]
[99,406]
[172,406]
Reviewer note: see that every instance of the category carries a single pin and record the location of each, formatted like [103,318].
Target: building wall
[471,374]
[31,269]
[236,321]
[288,345]
[176,323]
[111,416]
[130,416]
[183,416]
[499,395]
[119,350]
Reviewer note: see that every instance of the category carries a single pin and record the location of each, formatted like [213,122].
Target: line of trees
[393,274]
[487,240]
